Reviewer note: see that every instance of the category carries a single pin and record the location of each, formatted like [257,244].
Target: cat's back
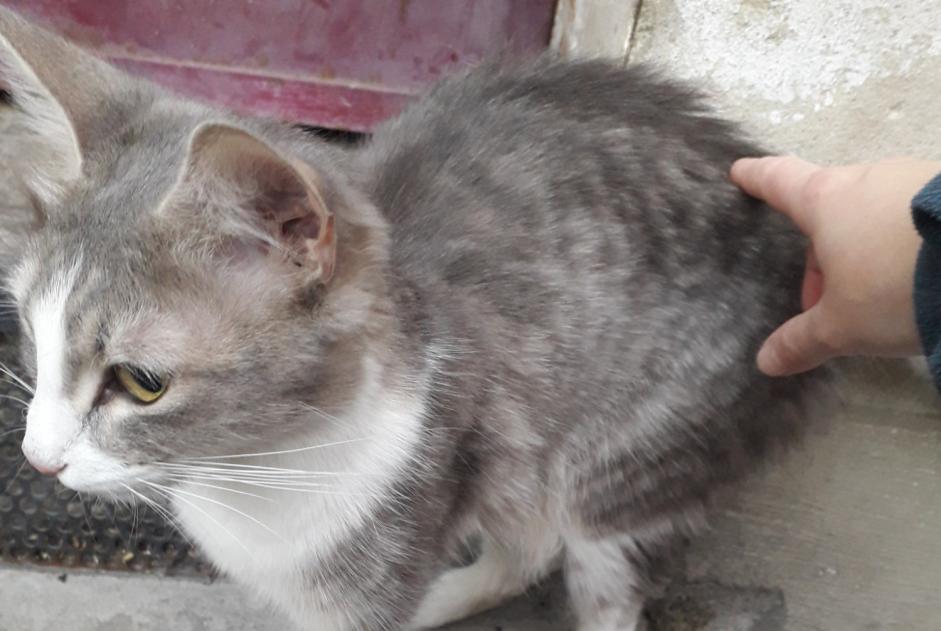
[539,180]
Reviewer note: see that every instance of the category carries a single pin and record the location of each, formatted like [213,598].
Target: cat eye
[141,384]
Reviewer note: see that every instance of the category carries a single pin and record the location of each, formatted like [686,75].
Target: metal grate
[42,522]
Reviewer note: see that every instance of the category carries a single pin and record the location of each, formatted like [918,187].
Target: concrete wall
[833,79]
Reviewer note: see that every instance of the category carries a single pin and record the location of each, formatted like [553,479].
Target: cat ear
[274,203]
[57,92]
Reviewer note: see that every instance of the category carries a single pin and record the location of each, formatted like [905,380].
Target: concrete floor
[39,600]
[843,536]
[92,601]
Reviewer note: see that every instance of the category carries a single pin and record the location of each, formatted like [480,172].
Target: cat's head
[188,285]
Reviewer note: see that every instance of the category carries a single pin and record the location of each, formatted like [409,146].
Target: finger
[794,347]
[812,287]
[780,182]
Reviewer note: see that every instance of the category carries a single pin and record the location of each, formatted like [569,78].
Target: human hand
[858,282]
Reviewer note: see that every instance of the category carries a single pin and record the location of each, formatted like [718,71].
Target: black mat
[42,522]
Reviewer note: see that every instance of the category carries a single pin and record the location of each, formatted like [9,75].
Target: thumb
[795,346]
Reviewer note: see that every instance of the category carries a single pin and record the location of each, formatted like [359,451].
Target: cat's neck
[318,490]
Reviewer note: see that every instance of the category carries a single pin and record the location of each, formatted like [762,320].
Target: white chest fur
[295,507]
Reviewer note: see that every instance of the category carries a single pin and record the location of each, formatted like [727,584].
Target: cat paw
[463,592]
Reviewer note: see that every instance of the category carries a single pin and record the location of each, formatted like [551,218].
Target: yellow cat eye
[144,386]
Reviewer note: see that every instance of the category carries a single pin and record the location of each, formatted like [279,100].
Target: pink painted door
[344,64]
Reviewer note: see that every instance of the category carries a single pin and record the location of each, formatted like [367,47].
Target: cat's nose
[45,469]
[50,427]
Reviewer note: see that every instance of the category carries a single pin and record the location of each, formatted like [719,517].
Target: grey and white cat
[524,313]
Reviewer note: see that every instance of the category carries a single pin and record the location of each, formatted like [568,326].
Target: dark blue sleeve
[926,210]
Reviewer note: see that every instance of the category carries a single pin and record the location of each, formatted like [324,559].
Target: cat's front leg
[496,576]
[604,584]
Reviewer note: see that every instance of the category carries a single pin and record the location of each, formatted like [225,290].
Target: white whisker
[259,472]
[19,470]
[171,494]
[81,503]
[224,478]
[235,476]
[285,451]
[17,399]
[12,375]
[223,505]
[234,465]
[190,480]
[296,487]
[12,431]
[335,420]
[135,521]
[160,510]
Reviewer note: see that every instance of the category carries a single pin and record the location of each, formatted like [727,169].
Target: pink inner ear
[305,227]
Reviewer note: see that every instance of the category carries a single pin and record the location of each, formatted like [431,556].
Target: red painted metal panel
[324,105]
[338,63]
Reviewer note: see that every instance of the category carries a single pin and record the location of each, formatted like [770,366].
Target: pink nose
[46,470]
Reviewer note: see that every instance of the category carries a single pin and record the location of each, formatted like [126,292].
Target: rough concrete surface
[831,79]
[34,600]
[843,536]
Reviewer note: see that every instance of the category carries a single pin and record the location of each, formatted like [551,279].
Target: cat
[524,314]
